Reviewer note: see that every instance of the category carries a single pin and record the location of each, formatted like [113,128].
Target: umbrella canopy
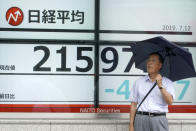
[178,63]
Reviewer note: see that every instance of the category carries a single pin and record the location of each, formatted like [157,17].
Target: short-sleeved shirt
[155,101]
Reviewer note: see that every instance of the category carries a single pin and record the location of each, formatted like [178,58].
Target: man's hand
[132,115]
[167,97]
[131,128]
[159,80]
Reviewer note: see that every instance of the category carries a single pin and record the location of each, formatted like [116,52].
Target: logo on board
[14,16]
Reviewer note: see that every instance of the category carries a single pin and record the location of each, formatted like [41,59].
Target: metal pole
[97,16]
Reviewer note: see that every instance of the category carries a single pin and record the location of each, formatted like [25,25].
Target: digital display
[133,20]
[55,56]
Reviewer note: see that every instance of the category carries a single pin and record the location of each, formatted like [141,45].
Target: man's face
[153,64]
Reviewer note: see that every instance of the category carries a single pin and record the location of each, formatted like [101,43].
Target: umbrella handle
[144,99]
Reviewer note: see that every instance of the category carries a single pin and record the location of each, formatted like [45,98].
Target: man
[151,115]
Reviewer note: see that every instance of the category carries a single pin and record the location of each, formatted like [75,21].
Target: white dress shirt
[154,101]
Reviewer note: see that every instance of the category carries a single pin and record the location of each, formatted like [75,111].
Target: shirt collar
[147,77]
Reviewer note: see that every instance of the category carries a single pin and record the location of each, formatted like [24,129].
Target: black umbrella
[178,63]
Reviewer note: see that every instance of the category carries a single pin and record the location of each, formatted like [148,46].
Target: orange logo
[14,16]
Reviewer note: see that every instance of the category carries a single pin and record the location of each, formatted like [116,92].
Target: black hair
[160,57]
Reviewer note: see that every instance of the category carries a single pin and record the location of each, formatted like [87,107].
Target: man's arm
[166,95]
[132,115]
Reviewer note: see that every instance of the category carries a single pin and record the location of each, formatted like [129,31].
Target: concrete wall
[99,123]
